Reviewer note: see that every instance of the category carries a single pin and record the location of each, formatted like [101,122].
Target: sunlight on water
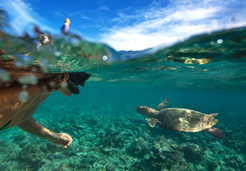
[209,60]
[205,58]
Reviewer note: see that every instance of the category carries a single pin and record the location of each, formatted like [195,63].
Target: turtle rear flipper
[216,132]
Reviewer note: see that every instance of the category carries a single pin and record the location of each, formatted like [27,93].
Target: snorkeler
[20,99]
[47,39]
[65,26]
[65,29]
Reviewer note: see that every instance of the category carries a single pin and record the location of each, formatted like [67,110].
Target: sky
[127,24]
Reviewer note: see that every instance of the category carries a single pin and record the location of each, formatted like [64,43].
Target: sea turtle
[179,119]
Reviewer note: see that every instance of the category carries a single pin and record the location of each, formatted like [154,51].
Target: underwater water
[206,73]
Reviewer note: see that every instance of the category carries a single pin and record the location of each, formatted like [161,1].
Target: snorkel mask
[76,79]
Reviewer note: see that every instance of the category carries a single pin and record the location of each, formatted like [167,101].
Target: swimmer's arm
[33,127]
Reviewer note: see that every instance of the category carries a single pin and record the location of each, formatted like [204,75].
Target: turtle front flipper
[213,114]
[216,132]
[162,105]
[152,121]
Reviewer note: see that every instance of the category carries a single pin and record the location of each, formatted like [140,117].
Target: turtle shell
[185,120]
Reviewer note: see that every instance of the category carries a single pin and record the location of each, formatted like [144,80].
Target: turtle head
[142,109]
[147,111]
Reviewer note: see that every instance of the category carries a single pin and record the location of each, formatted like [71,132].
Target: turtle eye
[141,109]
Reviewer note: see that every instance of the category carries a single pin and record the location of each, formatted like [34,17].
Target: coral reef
[119,141]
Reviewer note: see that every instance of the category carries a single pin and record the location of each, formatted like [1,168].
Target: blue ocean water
[205,73]
[110,135]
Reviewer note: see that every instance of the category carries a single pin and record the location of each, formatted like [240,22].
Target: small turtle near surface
[179,119]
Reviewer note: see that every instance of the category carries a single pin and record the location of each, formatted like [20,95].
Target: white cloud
[22,16]
[104,8]
[147,27]
[85,17]
[166,25]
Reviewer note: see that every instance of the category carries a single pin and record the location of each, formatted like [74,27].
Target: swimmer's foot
[62,139]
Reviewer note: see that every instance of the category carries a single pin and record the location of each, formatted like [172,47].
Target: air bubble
[24,86]
[57,53]
[219,41]
[34,70]
[23,96]
[4,76]
[75,42]
[17,64]
[64,85]
[104,58]
[212,43]
[44,64]
[29,79]
[52,83]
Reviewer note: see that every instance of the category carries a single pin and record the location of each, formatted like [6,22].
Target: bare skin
[20,113]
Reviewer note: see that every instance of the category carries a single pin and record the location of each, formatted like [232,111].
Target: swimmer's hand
[62,139]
